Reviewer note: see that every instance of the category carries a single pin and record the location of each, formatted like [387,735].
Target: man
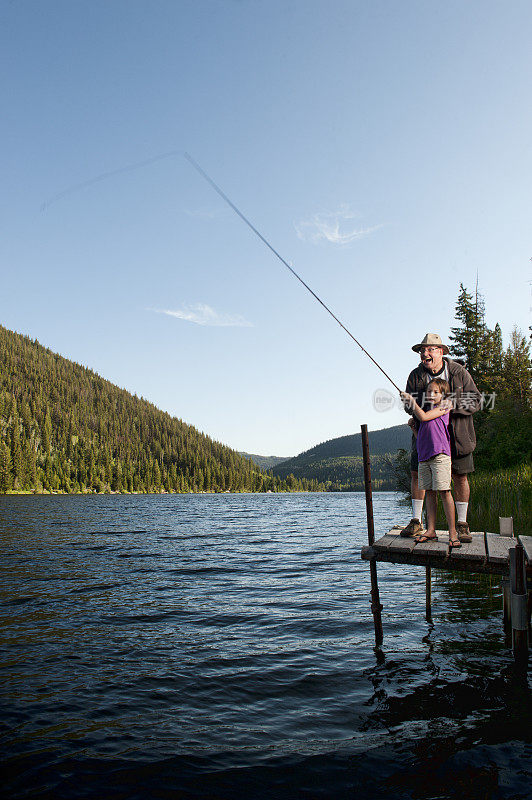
[466,400]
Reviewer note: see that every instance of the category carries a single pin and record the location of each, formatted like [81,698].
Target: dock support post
[506,611]
[519,612]
[506,528]
[428,598]
[376,606]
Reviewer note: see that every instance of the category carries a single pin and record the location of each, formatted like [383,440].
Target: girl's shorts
[435,473]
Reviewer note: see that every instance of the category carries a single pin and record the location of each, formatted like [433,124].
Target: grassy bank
[502,493]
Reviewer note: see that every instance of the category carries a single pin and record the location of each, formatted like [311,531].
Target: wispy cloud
[202,314]
[336,227]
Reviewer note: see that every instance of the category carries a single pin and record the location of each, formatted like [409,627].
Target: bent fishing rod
[282,260]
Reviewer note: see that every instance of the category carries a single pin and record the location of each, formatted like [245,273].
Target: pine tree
[471,337]
[517,371]
[47,432]
[16,449]
[6,481]
[156,473]
[494,360]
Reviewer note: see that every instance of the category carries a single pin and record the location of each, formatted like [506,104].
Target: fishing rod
[287,265]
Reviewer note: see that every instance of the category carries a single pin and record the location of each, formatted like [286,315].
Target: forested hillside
[64,428]
[338,462]
[345,474]
[387,440]
[264,462]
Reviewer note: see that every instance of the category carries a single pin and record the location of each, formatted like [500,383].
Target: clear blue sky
[385,148]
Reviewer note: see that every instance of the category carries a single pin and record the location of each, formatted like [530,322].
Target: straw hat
[431,340]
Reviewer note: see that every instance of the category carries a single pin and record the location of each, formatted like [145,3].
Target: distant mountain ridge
[386,440]
[338,462]
[264,462]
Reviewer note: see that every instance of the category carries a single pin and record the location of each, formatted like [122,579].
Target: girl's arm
[425,416]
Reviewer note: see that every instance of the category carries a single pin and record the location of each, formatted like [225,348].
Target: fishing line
[287,265]
[104,175]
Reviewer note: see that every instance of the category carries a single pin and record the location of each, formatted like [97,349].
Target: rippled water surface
[222,646]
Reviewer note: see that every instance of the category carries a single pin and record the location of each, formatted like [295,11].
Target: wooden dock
[488,553]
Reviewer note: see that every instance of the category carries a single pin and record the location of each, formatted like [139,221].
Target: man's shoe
[462,529]
[413,527]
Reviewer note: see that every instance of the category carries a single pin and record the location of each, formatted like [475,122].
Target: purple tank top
[433,438]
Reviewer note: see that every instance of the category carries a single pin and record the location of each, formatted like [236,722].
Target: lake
[222,646]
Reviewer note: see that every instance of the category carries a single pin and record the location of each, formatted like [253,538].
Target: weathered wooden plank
[470,551]
[526,541]
[437,548]
[498,547]
[384,541]
[401,544]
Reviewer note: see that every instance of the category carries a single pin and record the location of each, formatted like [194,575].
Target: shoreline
[34,492]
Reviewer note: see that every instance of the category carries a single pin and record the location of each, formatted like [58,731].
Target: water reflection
[180,642]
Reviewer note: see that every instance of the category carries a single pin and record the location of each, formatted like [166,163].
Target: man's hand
[407,400]
[412,424]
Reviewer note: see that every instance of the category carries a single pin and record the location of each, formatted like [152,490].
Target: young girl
[434,455]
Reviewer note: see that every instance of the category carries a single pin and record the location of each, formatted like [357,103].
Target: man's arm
[468,399]
[410,389]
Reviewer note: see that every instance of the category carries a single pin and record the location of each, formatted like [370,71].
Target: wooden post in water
[428,609]
[376,606]
[506,529]
[519,603]
[506,611]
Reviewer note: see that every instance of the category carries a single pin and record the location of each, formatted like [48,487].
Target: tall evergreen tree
[6,479]
[16,449]
[494,360]
[47,431]
[471,338]
[517,371]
